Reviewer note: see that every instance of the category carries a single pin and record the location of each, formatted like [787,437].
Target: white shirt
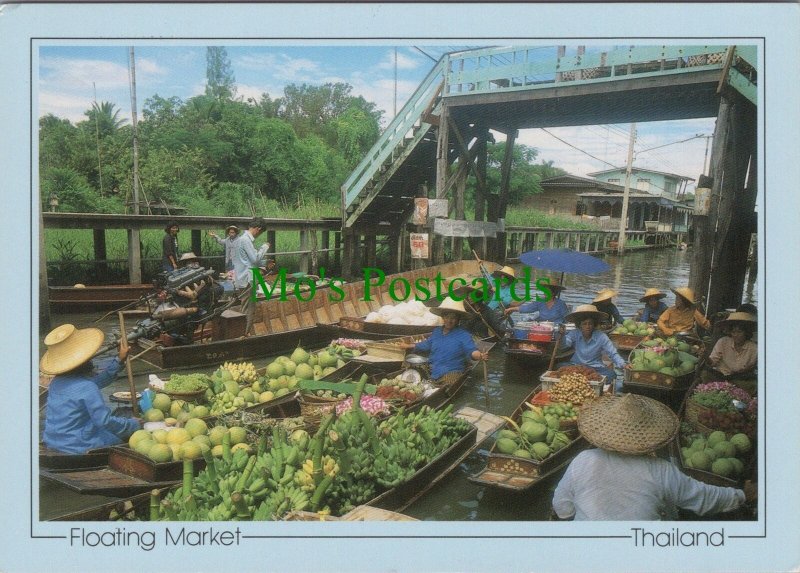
[245,257]
[605,486]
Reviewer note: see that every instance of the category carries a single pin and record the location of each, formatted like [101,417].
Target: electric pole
[624,214]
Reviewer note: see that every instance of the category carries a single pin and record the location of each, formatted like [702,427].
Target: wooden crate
[228,325]
[127,461]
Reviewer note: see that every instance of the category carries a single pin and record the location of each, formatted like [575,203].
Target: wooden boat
[396,499]
[64,299]
[625,342]
[52,459]
[533,353]
[281,325]
[510,473]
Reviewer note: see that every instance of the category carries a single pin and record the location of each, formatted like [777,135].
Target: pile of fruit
[716,454]
[344,349]
[229,390]
[349,460]
[565,411]
[173,412]
[186,383]
[719,411]
[589,372]
[399,389]
[630,326]
[241,372]
[671,357]
[572,388]
[536,437]
[187,443]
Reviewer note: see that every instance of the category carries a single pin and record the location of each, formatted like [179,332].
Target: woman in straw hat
[620,480]
[653,305]
[552,309]
[683,316]
[589,343]
[77,419]
[189,260]
[449,346]
[500,300]
[231,233]
[735,354]
[602,302]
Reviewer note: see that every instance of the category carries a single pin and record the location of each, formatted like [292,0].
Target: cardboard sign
[419,245]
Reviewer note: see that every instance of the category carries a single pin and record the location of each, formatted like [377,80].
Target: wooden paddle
[124,345]
[555,349]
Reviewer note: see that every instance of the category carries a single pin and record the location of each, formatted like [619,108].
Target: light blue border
[779,174]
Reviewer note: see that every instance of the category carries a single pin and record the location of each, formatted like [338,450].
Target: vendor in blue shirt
[603,303]
[450,347]
[589,343]
[653,305]
[77,419]
[551,310]
[493,310]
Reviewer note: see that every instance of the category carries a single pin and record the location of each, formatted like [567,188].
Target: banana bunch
[303,478]
[241,372]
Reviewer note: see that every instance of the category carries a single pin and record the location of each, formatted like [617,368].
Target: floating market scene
[412,283]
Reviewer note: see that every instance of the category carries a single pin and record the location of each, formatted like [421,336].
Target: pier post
[304,259]
[99,240]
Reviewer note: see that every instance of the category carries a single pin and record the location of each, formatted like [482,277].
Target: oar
[124,344]
[488,278]
[555,349]
[491,330]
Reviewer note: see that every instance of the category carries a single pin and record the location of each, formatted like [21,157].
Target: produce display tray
[626,341]
[127,461]
[548,379]
[658,379]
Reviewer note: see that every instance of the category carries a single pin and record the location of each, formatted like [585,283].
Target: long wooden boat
[532,353]
[281,325]
[52,459]
[510,473]
[65,299]
[136,507]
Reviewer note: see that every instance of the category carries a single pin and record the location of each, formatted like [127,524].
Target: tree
[220,83]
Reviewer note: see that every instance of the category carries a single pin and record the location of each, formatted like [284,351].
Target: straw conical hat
[229,227]
[69,347]
[505,272]
[740,317]
[685,292]
[584,311]
[190,256]
[629,424]
[605,294]
[450,305]
[652,292]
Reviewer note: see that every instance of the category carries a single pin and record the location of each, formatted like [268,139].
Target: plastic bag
[146,401]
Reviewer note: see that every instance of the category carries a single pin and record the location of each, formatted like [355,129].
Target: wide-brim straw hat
[69,347]
[739,318]
[190,256]
[229,227]
[628,424]
[507,272]
[652,293]
[605,294]
[684,292]
[450,305]
[585,311]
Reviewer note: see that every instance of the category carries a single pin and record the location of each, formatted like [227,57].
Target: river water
[455,498]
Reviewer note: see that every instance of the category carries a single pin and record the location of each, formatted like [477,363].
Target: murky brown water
[455,498]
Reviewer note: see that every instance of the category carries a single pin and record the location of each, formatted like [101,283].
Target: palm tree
[104,118]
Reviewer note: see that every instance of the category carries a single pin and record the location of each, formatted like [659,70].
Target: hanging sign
[419,245]
[459,228]
[437,208]
[420,211]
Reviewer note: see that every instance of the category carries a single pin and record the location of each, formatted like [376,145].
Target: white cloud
[404,62]
[64,106]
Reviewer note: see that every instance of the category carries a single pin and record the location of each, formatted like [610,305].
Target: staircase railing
[393,135]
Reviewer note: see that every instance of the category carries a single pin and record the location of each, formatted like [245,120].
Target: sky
[71,77]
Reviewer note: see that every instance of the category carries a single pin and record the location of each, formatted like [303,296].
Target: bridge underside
[622,101]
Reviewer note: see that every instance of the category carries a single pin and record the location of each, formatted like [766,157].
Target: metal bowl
[416,359]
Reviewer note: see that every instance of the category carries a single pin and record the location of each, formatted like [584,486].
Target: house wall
[554,201]
[659,184]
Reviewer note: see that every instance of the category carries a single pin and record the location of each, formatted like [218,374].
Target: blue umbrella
[564,261]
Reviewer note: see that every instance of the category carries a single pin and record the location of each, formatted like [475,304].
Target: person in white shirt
[245,258]
[623,479]
[231,234]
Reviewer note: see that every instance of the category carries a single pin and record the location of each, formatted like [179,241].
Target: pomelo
[741,442]
[153,415]
[200,411]
[247,394]
[176,408]
[191,450]
[722,467]
[522,453]
[289,367]
[238,435]
[716,436]
[540,450]
[725,449]
[534,431]
[216,451]
[143,446]
[176,451]
[304,372]
[266,396]
[506,445]
[216,433]
[241,446]
[700,460]
[510,434]
[275,369]
[178,436]
[160,436]
[170,421]
[162,402]
[195,427]
[299,356]
[137,436]
[202,439]
[160,453]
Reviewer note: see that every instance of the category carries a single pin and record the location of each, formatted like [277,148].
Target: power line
[425,54]
[578,149]
[673,143]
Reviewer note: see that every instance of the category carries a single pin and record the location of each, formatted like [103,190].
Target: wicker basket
[693,410]
[313,408]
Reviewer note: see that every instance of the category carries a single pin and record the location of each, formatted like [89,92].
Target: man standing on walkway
[245,258]
[169,247]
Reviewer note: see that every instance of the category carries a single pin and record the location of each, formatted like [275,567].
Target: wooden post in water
[99,243]
[505,186]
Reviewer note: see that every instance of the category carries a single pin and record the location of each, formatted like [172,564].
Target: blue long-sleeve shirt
[504,294]
[554,314]
[590,352]
[447,352]
[77,418]
[650,315]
